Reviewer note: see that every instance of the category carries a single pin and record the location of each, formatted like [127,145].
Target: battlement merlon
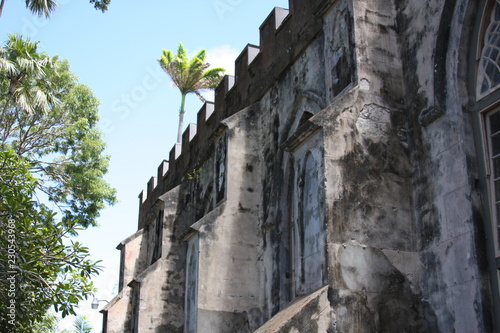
[246,57]
[162,169]
[204,113]
[284,35]
[188,135]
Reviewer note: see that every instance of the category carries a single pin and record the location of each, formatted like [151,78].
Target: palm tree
[19,62]
[37,7]
[189,76]
[81,325]
[23,70]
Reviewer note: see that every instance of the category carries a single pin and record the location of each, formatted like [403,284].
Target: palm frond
[81,324]
[23,101]
[26,71]
[182,53]
[216,73]
[41,7]
[165,59]
[189,75]
[196,65]
[40,100]
[200,96]
[202,54]
[7,66]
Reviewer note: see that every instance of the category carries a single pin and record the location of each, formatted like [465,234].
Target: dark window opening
[305,117]
[158,237]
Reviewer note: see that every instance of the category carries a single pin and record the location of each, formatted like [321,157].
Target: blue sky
[115,53]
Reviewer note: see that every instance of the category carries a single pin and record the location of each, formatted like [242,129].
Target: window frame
[488,166]
[479,108]
[486,20]
[485,105]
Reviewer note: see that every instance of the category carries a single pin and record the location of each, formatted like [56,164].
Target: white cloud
[221,56]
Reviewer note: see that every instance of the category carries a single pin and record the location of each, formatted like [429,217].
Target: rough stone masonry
[344,180]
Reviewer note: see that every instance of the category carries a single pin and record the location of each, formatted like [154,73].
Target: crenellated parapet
[312,192]
[284,35]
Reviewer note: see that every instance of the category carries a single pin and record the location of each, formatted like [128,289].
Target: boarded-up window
[136,299]
[309,236]
[312,231]
[191,300]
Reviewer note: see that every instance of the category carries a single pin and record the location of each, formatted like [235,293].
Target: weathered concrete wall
[152,298]
[162,283]
[369,216]
[309,313]
[377,50]
[229,296]
[132,258]
[132,263]
[367,177]
[118,313]
[334,180]
[295,97]
[446,201]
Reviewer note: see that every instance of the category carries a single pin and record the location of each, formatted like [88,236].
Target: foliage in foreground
[47,7]
[80,325]
[51,186]
[39,269]
[47,324]
[50,119]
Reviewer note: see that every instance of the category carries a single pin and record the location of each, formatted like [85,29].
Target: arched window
[488,73]
[488,108]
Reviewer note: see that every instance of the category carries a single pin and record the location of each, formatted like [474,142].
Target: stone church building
[346,179]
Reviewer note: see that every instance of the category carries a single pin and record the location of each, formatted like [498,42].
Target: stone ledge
[299,311]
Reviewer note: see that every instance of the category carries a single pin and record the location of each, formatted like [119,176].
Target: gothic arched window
[488,107]
[488,74]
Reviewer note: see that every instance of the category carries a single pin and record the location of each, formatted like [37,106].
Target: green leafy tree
[47,7]
[51,120]
[47,324]
[189,76]
[50,152]
[39,267]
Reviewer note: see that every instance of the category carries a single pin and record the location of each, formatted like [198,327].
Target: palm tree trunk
[181,118]
[1,7]
[5,107]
